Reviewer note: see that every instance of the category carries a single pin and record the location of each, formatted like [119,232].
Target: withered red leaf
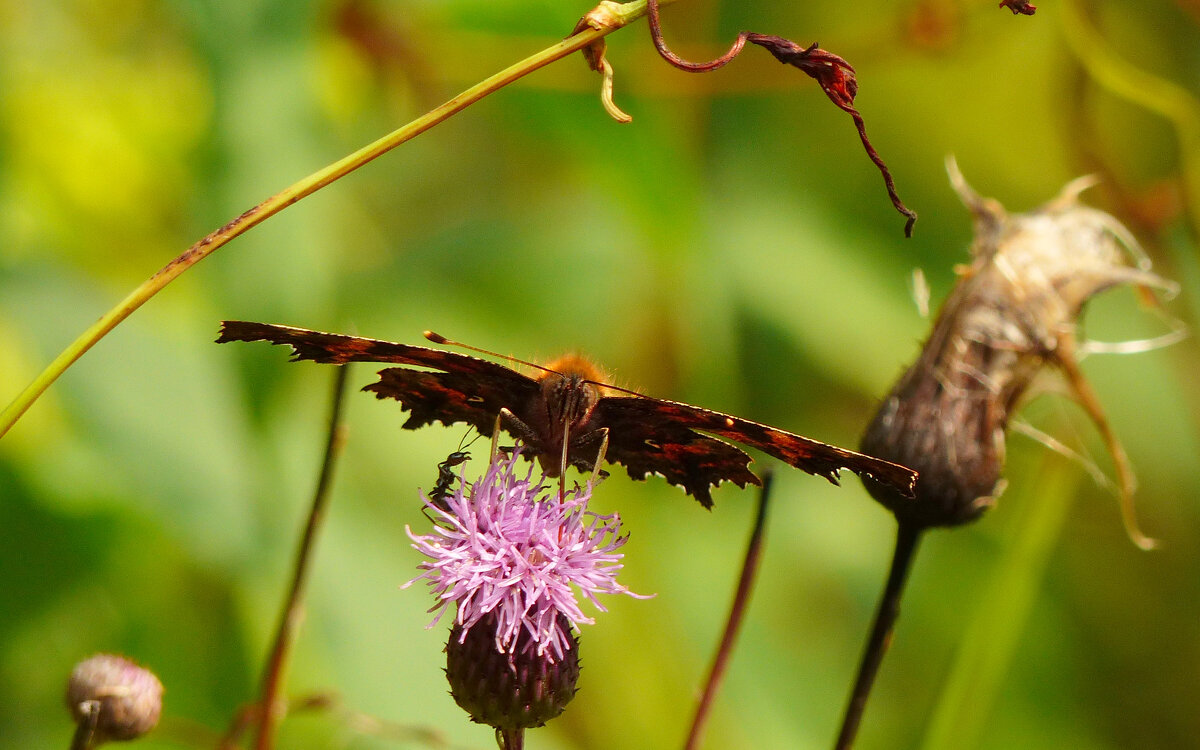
[1021,7]
[837,80]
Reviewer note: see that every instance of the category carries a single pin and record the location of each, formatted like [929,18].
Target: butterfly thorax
[569,395]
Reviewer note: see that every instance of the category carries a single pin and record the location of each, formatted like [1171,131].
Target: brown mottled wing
[667,419]
[647,445]
[338,349]
[467,389]
[450,397]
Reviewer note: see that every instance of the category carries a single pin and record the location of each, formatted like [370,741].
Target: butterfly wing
[673,423]
[647,445]
[456,388]
[450,397]
[338,349]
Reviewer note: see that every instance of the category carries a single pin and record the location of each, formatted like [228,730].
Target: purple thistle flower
[510,547]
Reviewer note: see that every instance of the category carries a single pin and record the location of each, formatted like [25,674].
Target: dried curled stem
[835,76]
[837,80]
[1019,7]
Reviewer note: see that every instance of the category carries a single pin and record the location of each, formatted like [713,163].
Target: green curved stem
[616,16]
[1166,99]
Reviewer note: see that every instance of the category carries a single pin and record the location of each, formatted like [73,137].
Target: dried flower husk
[1013,311]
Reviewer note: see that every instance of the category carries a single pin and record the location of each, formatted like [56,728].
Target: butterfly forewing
[338,349]
[803,453]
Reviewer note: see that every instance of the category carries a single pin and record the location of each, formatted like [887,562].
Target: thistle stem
[907,537]
[619,16]
[737,612]
[510,739]
[272,705]
[85,730]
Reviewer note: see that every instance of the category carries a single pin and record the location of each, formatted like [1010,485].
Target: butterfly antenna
[438,338]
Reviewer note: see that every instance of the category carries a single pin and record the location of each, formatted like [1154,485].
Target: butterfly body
[564,414]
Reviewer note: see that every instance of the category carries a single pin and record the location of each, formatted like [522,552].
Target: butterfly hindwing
[682,456]
[450,397]
[467,389]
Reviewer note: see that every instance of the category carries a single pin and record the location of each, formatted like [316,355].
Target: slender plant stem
[617,16]
[510,739]
[907,538]
[737,612]
[272,705]
[661,45]
[85,730]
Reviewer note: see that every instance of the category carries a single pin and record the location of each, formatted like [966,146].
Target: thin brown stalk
[737,612]
[274,706]
[85,730]
[908,535]
[270,707]
[661,45]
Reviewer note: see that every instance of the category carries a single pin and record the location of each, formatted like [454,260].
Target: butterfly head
[570,389]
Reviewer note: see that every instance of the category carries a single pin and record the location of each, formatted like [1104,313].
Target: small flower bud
[127,697]
[509,691]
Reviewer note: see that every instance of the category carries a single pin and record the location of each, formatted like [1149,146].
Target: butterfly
[566,414]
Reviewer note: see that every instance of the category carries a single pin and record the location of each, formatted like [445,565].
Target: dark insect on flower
[446,477]
[1013,312]
[567,413]
[513,559]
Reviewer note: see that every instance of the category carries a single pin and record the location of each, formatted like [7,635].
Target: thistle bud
[125,698]
[509,691]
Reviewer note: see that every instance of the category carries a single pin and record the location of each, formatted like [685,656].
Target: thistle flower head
[509,549]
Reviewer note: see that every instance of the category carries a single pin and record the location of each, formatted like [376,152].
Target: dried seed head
[509,691]
[127,697]
[1014,310]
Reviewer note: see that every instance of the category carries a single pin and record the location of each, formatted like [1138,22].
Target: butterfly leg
[596,440]
[513,425]
[597,472]
[495,438]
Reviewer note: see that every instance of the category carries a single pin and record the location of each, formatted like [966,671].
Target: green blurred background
[732,247]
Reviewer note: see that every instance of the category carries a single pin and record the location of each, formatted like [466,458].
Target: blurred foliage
[732,247]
